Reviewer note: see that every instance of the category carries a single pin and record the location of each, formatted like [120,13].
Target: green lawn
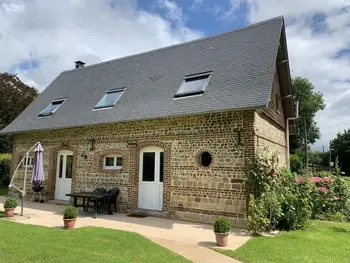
[27,243]
[3,191]
[324,242]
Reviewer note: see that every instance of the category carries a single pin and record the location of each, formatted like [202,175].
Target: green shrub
[261,173]
[70,212]
[5,168]
[296,163]
[222,225]
[272,203]
[281,198]
[331,196]
[11,203]
[257,220]
[337,217]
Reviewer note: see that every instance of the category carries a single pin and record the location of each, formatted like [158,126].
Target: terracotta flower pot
[69,223]
[221,239]
[9,212]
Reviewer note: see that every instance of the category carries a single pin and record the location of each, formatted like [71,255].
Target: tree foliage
[341,149]
[296,163]
[15,96]
[310,102]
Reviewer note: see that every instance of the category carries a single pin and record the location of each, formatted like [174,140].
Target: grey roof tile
[242,61]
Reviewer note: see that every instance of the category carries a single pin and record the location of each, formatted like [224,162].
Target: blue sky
[206,16]
[40,38]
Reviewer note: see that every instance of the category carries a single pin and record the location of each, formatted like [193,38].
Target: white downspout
[287,131]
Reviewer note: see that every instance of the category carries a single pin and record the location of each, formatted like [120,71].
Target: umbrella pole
[24,184]
[22,204]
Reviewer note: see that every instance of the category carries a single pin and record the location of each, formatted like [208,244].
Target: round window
[205,159]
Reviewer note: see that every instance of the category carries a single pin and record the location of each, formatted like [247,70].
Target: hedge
[5,168]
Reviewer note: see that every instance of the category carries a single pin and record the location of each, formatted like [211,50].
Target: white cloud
[315,54]
[196,4]
[56,33]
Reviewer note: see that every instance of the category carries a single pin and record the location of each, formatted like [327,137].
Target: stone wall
[191,191]
[270,124]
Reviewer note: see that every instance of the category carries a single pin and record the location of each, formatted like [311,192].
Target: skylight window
[109,99]
[49,110]
[193,85]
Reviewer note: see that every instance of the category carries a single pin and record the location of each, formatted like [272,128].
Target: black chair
[93,201]
[112,200]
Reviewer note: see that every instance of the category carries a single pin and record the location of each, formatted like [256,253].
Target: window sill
[112,169]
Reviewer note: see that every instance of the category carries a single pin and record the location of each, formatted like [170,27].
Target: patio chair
[113,198]
[93,201]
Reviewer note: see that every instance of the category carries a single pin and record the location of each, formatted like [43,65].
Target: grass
[324,242]
[28,243]
[3,191]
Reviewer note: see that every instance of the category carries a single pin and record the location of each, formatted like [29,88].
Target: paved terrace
[190,240]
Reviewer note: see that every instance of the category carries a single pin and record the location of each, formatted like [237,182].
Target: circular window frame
[199,157]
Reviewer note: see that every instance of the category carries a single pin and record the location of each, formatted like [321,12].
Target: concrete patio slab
[188,239]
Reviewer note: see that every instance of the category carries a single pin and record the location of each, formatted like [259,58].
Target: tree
[296,163]
[341,149]
[15,96]
[310,102]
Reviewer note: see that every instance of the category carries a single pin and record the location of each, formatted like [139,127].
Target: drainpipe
[287,131]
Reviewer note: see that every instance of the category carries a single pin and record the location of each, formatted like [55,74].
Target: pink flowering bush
[281,199]
[284,200]
[332,196]
[322,189]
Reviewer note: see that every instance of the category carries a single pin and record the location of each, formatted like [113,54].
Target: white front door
[151,178]
[64,174]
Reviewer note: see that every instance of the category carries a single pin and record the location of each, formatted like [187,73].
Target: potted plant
[10,205]
[70,215]
[222,228]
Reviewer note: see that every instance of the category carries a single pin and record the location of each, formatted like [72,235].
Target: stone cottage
[173,128]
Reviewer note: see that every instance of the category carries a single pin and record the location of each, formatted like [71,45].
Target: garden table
[99,197]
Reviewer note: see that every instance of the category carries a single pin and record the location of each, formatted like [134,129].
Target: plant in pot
[10,205]
[70,215]
[222,229]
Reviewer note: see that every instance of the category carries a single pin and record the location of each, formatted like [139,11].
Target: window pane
[148,167]
[119,161]
[161,169]
[205,159]
[109,161]
[60,167]
[69,166]
[51,108]
[192,85]
[109,99]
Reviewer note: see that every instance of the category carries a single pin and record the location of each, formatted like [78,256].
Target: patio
[188,239]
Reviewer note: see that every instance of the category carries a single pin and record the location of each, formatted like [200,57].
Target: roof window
[109,99]
[49,110]
[193,85]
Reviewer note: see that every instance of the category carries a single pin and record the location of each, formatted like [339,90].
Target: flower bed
[285,200]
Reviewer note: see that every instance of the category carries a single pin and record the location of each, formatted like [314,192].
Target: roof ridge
[177,45]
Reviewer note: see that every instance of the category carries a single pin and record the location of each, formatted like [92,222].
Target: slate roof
[242,62]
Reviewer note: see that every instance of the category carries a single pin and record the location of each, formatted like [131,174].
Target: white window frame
[115,166]
[31,162]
